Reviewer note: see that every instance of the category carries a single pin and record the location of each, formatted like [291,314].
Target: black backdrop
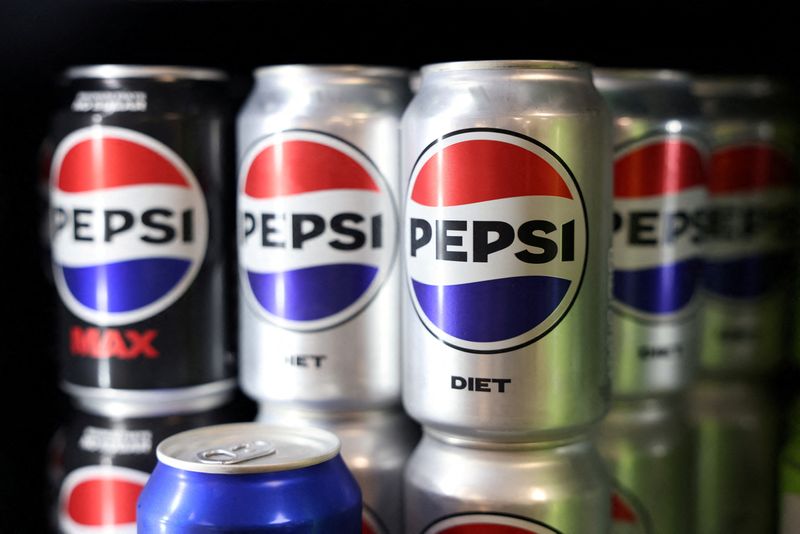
[38,38]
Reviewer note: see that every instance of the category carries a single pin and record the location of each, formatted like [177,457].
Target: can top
[160,72]
[369,71]
[505,64]
[607,78]
[247,448]
[734,86]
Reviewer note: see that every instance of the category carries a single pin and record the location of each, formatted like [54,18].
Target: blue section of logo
[662,289]
[746,278]
[126,285]
[311,293]
[491,310]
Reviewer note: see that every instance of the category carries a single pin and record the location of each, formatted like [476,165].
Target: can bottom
[109,402]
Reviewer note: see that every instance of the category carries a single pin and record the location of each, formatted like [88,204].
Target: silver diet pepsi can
[457,485]
[318,232]
[659,198]
[507,173]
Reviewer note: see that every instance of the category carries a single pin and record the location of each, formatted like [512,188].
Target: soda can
[507,171]
[459,485]
[250,477]
[736,476]
[138,225]
[648,446]
[790,476]
[318,234]
[750,225]
[99,465]
[659,198]
[375,446]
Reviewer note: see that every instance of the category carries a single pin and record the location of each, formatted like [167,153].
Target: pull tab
[240,452]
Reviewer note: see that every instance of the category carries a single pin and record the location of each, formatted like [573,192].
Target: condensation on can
[504,335]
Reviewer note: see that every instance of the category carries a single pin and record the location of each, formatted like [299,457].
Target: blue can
[253,478]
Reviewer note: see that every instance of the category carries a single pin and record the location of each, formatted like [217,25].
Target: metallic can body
[750,229]
[542,488]
[735,424]
[250,478]
[659,198]
[649,448]
[375,446]
[100,465]
[501,334]
[138,227]
[317,209]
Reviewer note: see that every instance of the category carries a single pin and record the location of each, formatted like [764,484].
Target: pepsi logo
[129,225]
[627,517]
[317,229]
[488,523]
[659,201]
[98,499]
[370,524]
[750,221]
[496,240]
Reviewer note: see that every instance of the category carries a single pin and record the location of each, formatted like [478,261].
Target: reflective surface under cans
[375,446]
[139,216]
[649,449]
[506,173]
[99,466]
[318,235]
[735,426]
[750,229]
[790,476]
[250,478]
[457,485]
[659,195]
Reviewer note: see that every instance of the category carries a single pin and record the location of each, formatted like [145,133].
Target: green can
[648,447]
[736,428]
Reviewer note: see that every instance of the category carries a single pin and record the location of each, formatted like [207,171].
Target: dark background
[39,38]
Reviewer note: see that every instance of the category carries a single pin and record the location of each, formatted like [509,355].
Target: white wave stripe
[315,251]
[424,267]
[627,256]
[126,245]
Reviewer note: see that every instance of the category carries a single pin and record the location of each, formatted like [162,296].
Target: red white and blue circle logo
[659,198]
[128,222]
[496,240]
[317,229]
[488,523]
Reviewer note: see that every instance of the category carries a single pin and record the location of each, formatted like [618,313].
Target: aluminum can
[736,473]
[317,231]
[99,465]
[790,475]
[750,229]
[459,485]
[507,172]
[375,446]
[137,224]
[659,198]
[648,446]
[250,477]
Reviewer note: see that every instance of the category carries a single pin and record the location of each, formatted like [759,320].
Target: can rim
[371,71]
[192,442]
[506,64]
[490,444]
[166,72]
[614,74]
[735,86]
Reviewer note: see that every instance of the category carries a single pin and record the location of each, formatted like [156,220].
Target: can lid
[161,72]
[369,71]
[735,86]
[247,448]
[498,64]
[608,77]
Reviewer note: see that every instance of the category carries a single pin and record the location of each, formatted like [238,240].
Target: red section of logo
[292,167]
[106,162]
[748,168]
[621,512]
[103,501]
[666,166]
[480,170]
